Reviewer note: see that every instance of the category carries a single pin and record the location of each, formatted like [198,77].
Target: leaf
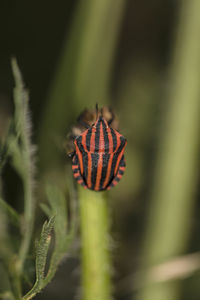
[62,239]
[41,258]
[42,249]
[58,207]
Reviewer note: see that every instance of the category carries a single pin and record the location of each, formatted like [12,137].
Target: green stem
[23,130]
[15,280]
[28,222]
[14,217]
[8,261]
[176,176]
[95,244]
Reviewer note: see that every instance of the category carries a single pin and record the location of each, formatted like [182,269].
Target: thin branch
[12,214]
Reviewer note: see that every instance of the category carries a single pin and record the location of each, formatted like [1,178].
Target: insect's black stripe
[97,136]
[78,178]
[80,144]
[76,171]
[106,158]
[85,166]
[121,172]
[81,152]
[84,157]
[117,179]
[106,139]
[122,144]
[114,138]
[88,138]
[119,154]
[109,186]
[122,163]
[95,158]
[114,161]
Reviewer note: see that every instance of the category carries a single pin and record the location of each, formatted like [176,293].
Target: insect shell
[98,159]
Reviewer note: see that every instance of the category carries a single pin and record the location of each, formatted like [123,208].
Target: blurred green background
[143,59]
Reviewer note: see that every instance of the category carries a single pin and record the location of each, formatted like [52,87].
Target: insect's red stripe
[108,171]
[84,140]
[100,162]
[110,159]
[80,158]
[76,174]
[122,168]
[92,148]
[101,140]
[89,183]
[74,167]
[118,142]
[114,182]
[119,176]
[110,140]
[80,181]
[119,159]
[99,171]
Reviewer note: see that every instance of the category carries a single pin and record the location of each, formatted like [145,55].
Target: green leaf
[59,209]
[41,258]
[62,239]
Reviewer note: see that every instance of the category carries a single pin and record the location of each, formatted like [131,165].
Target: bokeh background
[126,54]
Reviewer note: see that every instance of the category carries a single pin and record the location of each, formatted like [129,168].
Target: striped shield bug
[98,159]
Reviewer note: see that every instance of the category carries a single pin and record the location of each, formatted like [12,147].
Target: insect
[98,159]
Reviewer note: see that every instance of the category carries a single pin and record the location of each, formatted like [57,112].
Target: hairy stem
[23,128]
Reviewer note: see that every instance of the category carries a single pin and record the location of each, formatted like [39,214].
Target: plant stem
[23,129]
[95,244]
[28,223]
[8,260]
[176,175]
[15,281]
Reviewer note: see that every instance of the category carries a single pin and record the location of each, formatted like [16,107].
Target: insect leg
[71,154]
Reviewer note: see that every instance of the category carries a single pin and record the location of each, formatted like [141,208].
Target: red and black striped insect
[98,160]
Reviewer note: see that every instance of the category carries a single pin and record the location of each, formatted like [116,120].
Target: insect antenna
[97,111]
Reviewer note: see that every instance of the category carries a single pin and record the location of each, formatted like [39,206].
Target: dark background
[34,32]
